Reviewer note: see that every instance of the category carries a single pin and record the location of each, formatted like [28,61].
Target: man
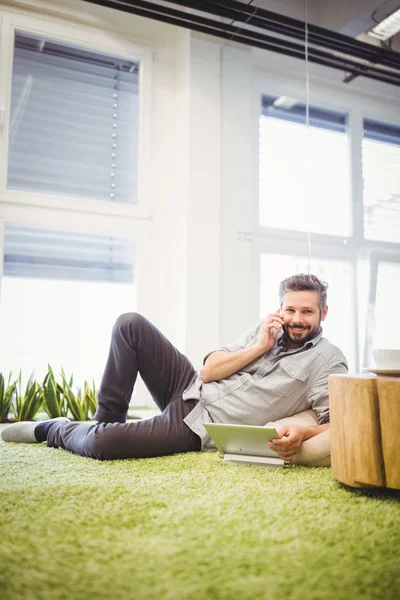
[276,370]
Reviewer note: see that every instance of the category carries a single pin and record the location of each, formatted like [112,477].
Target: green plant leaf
[30,403]
[74,406]
[51,397]
[57,399]
[27,403]
[7,395]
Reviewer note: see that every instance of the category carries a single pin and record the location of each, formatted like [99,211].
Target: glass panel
[60,312]
[381,173]
[387,325]
[339,325]
[32,252]
[363,272]
[303,176]
[74,122]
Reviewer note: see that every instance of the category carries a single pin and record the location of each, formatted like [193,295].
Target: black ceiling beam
[245,36]
[292,28]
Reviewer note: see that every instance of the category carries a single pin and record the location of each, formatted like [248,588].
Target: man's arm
[222,364]
[292,436]
[318,395]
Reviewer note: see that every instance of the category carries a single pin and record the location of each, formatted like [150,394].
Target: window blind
[74,122]
[381,174]
[43,253]
[296,112]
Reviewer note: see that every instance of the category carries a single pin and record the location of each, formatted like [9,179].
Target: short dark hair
[304,283]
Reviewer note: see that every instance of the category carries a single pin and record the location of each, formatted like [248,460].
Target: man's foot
[24,431]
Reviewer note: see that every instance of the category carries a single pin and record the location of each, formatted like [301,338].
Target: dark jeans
[137,346]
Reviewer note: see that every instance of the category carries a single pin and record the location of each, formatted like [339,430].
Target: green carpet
[189,527]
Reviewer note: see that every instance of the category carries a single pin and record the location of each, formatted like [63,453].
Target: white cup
[387,359]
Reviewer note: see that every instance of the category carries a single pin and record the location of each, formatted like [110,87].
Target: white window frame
[357,106]
[81,215]
[91,39]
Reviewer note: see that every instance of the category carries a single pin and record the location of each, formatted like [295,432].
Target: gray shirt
[276,385]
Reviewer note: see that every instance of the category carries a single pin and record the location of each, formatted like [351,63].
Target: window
[74,122]
[304,177]
[61,293]
[387,325]
[306,208]
[74,212]
[379,292]
[381,173]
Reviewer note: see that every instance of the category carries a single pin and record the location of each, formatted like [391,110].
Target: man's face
[302,316]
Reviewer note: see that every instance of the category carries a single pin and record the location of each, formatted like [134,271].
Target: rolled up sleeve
[319,394]
[246,339]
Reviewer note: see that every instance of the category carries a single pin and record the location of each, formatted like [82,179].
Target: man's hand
[271,327]
[288,442]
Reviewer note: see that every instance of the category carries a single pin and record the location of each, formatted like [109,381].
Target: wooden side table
[365,430]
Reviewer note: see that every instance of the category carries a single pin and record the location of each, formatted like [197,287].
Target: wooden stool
[365,430]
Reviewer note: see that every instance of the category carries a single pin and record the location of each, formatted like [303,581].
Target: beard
[299,334]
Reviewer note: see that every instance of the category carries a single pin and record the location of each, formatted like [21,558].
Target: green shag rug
[188,527]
